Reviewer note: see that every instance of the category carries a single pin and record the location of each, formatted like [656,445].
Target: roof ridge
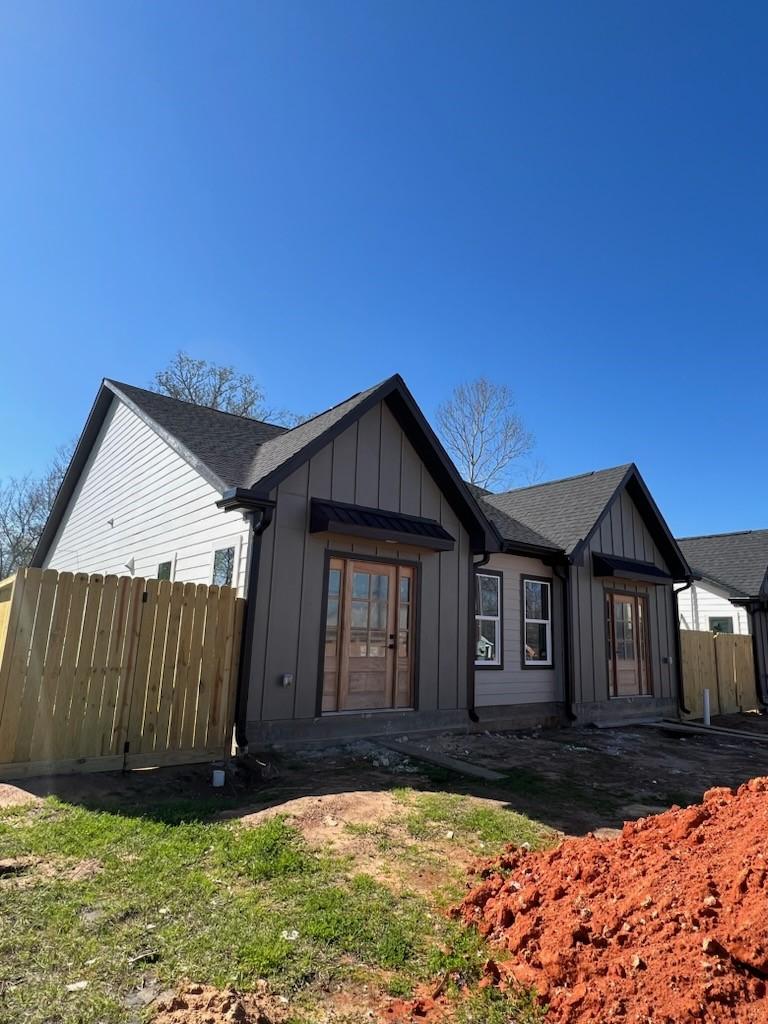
[729,533]
[563,480]
[324,412]
[196,405]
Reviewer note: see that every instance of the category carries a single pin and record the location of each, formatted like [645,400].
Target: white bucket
[219,775]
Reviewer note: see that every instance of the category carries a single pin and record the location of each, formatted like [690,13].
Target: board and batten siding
[371,463]
[759,627]
[160,509]
[512,684]
[624,533]
[702,601]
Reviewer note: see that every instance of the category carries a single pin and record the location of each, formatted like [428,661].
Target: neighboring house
[579,606]
[731,595]
[384,593]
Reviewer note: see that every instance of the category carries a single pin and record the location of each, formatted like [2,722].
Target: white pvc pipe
[707,719]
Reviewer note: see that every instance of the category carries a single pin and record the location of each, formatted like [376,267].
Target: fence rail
[101,672]
[724,664]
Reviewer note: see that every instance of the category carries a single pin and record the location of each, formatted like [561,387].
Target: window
[223,567]
[537,623]
[721,624]
[488,620]
[164,570]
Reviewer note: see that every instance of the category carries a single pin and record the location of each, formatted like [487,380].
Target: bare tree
[205,383]
[24,506]
[220,387]
[480,428]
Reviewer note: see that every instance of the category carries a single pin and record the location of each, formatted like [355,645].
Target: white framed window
[488,618]
[537,622]
[225,562]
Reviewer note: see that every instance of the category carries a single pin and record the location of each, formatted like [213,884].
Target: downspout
[473,716]
[259,520]
[678,646]
[563,573]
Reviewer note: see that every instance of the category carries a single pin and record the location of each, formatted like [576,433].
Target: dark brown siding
[622,532]
[371,463]
[759,624]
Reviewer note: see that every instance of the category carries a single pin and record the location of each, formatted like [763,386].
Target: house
[352,536]
[730,594]
[579,605]
[384,594]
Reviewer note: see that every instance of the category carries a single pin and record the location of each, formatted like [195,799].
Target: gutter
[471,711]
[678,647]
[259,511]
[563,573]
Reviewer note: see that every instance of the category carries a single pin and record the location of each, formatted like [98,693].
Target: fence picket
[170,660]
[182,666]
[208,668]
[43,736]
[194,671]
[69,655]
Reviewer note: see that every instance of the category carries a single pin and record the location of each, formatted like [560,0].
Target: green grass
[432,814]
[217,903]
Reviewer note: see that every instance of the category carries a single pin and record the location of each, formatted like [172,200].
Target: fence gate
[105,672]
[722,663]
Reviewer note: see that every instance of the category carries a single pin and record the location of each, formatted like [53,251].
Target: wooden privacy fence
[105,672]
[724,664]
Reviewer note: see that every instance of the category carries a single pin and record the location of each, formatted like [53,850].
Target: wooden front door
[627,619]
[368,649]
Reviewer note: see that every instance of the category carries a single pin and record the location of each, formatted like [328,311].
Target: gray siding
[371,463]
[512,684]
[624,533]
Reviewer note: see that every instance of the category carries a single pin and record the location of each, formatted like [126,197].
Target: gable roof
[736,561]
[562,511]
[236,454]
[566,513]
[515,533]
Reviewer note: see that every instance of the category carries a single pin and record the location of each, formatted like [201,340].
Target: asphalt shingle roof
[738,561]
[235,450]
[561,512]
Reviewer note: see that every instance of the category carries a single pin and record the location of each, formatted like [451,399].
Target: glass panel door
[369,622]
[628,670]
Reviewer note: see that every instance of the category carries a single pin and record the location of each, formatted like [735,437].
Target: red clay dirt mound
[667,922]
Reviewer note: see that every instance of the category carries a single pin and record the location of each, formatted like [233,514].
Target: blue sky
[569,198]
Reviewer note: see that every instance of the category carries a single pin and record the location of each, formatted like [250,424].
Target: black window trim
[537,666]
[484,666]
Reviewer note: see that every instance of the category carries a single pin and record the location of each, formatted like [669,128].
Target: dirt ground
[573,780]
[411,824]
[577,780]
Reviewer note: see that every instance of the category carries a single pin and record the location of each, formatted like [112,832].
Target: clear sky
[568,197]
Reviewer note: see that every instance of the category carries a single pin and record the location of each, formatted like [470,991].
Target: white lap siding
[702,602]
[513,684]
[138,499]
